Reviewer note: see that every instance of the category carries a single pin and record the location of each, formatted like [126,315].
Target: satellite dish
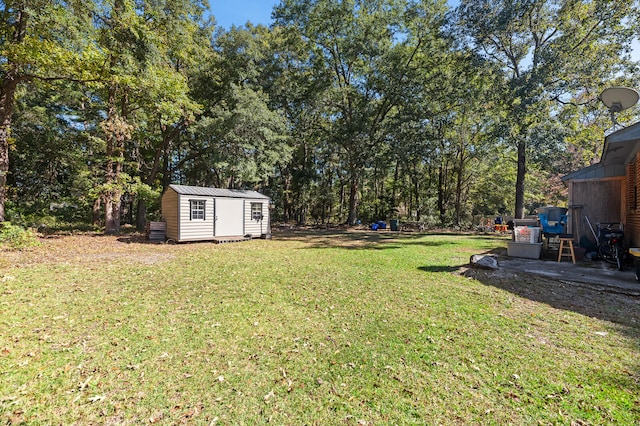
[618,99]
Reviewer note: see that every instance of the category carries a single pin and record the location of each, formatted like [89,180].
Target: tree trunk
[394,187]
[522,170]
[168,136]
[441,194]
[416,191]
[116,129]
[353,198]
[342,198]
[459,182]
[141,216]
[95,212]
[7,101]
[288,204]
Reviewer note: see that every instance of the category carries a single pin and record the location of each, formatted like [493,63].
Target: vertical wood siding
[602,201]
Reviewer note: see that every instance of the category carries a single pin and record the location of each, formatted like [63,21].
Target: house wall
[195,230]
[601,200]
[253,227]
[632,224]
[170,213]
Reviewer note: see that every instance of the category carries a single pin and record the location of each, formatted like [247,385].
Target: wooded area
[341,111]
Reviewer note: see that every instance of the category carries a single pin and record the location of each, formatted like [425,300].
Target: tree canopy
[343,111]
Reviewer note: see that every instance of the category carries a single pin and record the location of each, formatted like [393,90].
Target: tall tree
[240,137]
[546,49]
[367,48]
[145,44]
[50,155]
[40,40]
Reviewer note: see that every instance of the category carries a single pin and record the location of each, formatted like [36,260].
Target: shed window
[256,211]
[197,209]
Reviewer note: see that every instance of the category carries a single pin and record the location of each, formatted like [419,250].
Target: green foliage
[342,110]
[368,70]
[15,237]
[545,51]
[242,139]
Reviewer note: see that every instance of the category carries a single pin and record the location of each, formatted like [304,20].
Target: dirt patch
[89,248]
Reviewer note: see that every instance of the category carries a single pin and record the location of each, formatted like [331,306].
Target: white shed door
[229,217]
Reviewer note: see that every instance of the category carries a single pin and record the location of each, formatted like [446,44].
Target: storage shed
[194,213]
[607,192]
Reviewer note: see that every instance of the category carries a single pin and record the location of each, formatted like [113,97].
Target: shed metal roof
[216,192]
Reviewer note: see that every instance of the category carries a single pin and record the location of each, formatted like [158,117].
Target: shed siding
[170,213]
[253,227]
[194,230]
[176,212]
[602,201]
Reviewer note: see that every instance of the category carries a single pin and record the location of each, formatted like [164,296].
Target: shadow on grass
[595,301]
[361,239]
[439,268]
[139,240]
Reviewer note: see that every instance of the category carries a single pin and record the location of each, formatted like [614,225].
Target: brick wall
[632,224]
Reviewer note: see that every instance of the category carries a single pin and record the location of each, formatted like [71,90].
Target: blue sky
[238,12]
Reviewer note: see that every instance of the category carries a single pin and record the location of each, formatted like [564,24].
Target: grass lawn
[353,328]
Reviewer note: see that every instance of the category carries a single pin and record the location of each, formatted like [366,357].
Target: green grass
[304,329]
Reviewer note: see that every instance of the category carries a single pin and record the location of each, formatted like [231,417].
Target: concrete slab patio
[594,272]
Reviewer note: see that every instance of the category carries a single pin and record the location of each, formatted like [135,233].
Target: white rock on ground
[484,261]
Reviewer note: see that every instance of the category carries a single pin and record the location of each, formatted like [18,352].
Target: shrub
[17,238]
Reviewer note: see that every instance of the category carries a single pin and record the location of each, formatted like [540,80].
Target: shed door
[229,217]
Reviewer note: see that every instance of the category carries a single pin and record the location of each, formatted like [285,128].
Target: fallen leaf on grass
[513,396]
[156,418]
[193,412]
[84,384]
[268,396]
[16,418]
